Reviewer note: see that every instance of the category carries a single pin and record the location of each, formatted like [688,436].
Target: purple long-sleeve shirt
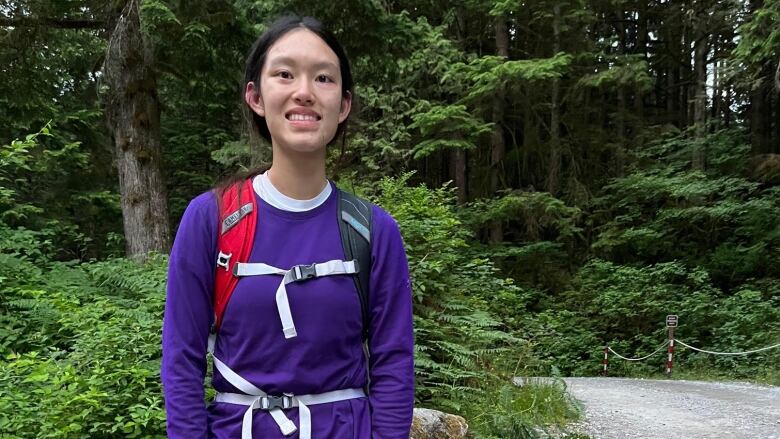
[326,355]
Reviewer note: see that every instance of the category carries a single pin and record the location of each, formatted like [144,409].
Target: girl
[288,343]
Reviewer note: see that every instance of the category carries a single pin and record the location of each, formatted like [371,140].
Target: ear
[346,106]
[254,99]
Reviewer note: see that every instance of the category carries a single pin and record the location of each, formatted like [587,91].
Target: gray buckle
[271,402]
[304,272]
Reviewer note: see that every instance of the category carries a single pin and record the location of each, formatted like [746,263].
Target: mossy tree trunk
[133,115]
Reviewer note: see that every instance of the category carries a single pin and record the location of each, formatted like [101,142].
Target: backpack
[237,228]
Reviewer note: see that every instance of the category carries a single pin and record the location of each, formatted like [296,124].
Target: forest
[565,174]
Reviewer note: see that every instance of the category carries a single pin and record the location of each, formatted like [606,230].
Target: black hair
[256,59]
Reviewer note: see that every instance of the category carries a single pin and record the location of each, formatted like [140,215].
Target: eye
[324,78]
[284,74]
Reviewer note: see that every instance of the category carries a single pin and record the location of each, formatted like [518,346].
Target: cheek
[334,107]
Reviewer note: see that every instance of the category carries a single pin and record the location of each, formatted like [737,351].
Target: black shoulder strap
[355,229]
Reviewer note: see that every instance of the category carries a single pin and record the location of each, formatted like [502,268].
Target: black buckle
[272,402]
[304,272]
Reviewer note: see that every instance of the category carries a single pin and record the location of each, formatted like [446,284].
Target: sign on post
[671,321]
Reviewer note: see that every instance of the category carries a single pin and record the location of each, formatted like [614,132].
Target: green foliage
[516,412]
[623,72]
[543,233]
[42,214]
[458,339]
[725,223]
[445,127]
[636,300]
[485,74]
[87,338]
[700,245]
[759,44]
[537,214]
[464,352]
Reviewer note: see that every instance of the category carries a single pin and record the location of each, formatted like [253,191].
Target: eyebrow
[293,61]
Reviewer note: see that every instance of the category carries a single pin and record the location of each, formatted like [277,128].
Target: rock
[432,424]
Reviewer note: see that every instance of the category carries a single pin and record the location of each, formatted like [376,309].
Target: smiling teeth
[304,117]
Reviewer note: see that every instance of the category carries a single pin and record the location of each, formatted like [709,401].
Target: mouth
[303,116]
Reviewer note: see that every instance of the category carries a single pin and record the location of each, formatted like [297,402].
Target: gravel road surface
[618,408]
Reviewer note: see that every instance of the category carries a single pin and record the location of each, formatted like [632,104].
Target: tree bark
[776,120]
[701,48]
[777,77]
[498,144]
[642,38]
[554,170]
[458,171]
[458,159]
[133,116]
[760,116]
[685,75]
[716,87]
[622,110]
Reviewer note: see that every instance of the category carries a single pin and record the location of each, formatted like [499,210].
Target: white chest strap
[255,399]
[295,274]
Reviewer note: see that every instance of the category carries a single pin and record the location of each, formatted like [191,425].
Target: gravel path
[617,408]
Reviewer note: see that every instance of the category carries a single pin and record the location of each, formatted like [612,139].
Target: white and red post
[671,322]
[670,352]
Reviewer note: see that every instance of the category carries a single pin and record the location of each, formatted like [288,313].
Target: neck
[300,176]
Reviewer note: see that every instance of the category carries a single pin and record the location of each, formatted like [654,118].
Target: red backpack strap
[237,224]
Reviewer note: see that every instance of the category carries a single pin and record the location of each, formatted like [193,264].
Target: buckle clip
[304,272]
[223,260]
[272,402]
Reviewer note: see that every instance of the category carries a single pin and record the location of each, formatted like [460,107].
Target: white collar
[268,193]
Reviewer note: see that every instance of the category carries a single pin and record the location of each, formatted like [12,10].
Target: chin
[303,146]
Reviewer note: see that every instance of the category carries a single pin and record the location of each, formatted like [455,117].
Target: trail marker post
[671,323]
[606,359]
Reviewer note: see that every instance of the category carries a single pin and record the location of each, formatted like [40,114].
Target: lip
[302,111]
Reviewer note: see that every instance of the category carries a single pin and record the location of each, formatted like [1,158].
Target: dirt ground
[661,409]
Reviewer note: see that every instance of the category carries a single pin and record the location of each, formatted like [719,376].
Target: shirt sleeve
[188,315]
[390,334]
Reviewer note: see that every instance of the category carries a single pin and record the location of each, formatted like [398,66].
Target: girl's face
[300,92]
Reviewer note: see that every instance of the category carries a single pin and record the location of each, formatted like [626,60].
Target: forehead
[301,46]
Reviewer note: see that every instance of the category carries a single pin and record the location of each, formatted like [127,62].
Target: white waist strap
[255,398]
[295,400]
[301,401]
[296,273]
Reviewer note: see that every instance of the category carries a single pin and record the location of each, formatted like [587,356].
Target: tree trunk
[776,120]
[458,159]
[727,100]
[642,39]
[620,116]
[777,77]
[554,170]
[716,87]
[671,94]
[498,145]
[685,75]
[760,114]
[133,117]
[701,48]
[458,172]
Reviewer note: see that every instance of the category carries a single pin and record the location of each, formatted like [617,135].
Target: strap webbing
[355,216]
[294,274]
[255,399]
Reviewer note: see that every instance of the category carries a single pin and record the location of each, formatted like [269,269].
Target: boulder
[432,424]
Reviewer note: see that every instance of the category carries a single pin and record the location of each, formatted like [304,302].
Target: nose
[303,93]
